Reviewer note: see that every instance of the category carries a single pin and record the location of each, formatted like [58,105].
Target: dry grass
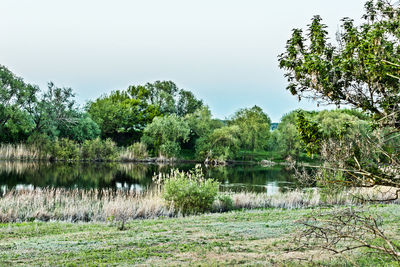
[135,152]
[80,205]
[20,152]
[25,152]
[122,205]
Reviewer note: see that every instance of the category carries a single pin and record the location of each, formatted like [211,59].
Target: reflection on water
[28,175]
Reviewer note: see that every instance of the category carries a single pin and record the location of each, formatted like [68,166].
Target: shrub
[224,203]
[190,193]
[135,152]
[65,149]
[99,150]
[40,143]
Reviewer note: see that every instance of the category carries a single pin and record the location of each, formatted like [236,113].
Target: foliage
[164,135]
[361,71]
[54,109]
[15,97]
[187,103]
[26,111]
[83,129]
[190,193]
[99,150]
[41,143]
[65,149]
[137,151]
[285,139]
[225,203]
[160,94]
[201,126]
[167,97]
[342,123]
[310,133]
[222,144]
[254,127]
[122,117]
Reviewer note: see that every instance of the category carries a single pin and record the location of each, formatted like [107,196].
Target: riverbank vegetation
[102,205]
[358,150]
[156,120]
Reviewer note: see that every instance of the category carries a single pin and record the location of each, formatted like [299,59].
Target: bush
[190,193]
[135,152]
[41,144]
[99,150]
[65,149]
[224,203]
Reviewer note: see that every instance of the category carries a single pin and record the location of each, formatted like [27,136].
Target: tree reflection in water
[135,176]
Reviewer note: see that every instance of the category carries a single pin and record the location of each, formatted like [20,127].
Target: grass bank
[252,237]
[74,205]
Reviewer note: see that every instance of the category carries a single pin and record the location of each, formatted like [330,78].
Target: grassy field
[256,237]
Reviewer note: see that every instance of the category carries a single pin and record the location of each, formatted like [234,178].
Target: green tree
[310,133]
[122,117]
[222,144]
[83,129]
[164,135]
[286,140]
[53,110]
[15,97]
[201,125]
[340,123]
[187,103]
[254,127]
[361,71]
[167,97]
[160,94]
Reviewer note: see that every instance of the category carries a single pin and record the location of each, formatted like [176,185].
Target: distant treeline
[152,120]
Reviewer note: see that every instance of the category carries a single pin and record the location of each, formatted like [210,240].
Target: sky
[224,51]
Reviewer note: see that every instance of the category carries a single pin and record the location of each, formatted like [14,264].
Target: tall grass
[135,152]
[80,205]
[67,150]
[104,205]
[21,152]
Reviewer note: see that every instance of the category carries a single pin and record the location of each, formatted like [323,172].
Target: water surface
[26,175]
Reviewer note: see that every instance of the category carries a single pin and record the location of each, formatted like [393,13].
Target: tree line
[156,119]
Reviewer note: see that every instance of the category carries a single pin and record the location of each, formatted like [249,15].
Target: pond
[29,175]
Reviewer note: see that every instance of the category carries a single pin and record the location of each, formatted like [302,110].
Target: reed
[20,152]
[123,205]
[135,152]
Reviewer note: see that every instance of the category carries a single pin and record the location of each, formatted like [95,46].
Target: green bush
[65,149]
[190,193]
[99,150]
[40,143]
[225,203]
[138,150]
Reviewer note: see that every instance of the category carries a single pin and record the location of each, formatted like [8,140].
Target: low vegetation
[189,193]
[257,237]
[95,205]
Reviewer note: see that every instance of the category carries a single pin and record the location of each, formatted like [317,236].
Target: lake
[29,175]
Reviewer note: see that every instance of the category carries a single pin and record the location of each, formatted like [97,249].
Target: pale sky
[225,51]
